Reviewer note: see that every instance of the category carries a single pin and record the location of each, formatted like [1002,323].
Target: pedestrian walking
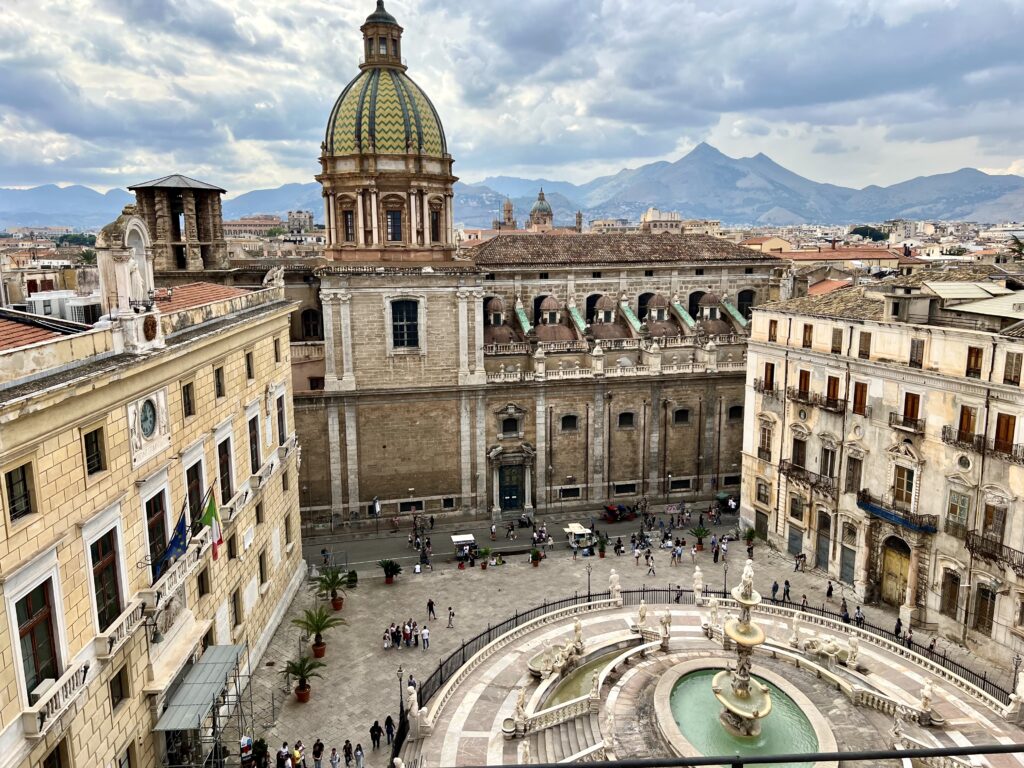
[846,616]
[858,617]
[775,589]
[636,556]
[785,591]
[898,629]
[359,756]
[299,755]
[284,756]
[425,634]
[714,552]
[451,618]
[430,610]
[910,638]
[574,548]
[346,750]
[375,733]
[494,532]
[750,551]
[650,566]
[725,548]
[389,728]
[843,606]
[431,522]
[803,602]
[931,646]
[318,753]
[335,758]
[693,554]
[828,591]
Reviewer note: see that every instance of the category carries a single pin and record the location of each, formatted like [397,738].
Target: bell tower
[382,40]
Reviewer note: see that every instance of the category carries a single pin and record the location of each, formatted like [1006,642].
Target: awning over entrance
[194,698]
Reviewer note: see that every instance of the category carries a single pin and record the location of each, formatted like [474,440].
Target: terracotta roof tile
[967,274]
[14,334]
[827,286]
[851,304]
[195,295]
[587,249]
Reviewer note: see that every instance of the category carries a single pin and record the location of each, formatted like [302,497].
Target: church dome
[382,111]
[541,206]
[381,16]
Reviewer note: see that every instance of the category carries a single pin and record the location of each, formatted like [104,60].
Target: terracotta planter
[389,579]
[319,650]
[337,603]
[536,563]
[483,566]
[600,554]
[302,694]
[700,547]
[462,565]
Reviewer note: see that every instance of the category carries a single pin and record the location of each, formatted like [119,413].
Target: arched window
[626,420]
[591,302]
[736,413]
[311,325]
[744,301]
[641,305]
[538,316]
[693,305]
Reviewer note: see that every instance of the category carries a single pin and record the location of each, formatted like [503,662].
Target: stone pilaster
[466,447]
[334,444]
[542,452]
[352,453]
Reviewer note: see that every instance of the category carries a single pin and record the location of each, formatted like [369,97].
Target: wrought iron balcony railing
[816,400]
[962,439]
[1006,450]
[764,454]
[768,390]
[821,483]
[896,511]
[907,423]
[992,549]
[955,528]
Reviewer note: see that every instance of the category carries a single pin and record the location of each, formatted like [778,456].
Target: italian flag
[211,517]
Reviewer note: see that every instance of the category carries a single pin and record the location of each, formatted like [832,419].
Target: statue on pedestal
[577,629]
[641,618]
[698,584]
[747,579]
[926,696]
[521,706]
[666,623]
[713,612]
[613,587]
[854,648]
[524,752]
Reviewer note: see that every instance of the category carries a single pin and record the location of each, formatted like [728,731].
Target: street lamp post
[1016,670]
[725,575]
[401,703]
[589,569]
[668,487]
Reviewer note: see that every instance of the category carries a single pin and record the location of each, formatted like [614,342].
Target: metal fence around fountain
[448,666]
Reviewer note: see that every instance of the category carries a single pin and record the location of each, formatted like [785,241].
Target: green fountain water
[786,730]
[578,682]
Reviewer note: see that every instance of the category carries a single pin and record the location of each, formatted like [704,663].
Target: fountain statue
[744,701]
[577,630]
[524,752]
[713,612]
[641,616]
[613,587]
[666,623]
[698,585]
[521,706]
[853,644]
[926,696]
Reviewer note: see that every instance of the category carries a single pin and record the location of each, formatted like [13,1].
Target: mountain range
[702,184]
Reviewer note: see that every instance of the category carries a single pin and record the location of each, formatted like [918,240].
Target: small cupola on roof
[382,40]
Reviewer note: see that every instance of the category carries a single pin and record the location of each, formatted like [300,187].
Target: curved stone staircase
[556,744]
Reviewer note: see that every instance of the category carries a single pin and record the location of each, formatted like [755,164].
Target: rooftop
[966,274]
[19,329]
[196,294]
[853,304]
[827,286]
[176,181]
[591,249]
[841,254]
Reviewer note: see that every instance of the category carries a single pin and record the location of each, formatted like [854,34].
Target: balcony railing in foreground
[1006,450]
[821,483]
[963,439]
[896,511]
[993,549]
[769,389]
[908,423]
[179,570]
[106,643]
[57,699]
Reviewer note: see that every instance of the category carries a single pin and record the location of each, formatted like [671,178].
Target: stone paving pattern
[360,683]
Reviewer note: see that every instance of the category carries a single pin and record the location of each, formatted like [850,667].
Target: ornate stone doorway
[510,487]
[895,571]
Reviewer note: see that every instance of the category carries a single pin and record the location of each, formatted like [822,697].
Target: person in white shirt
[425,637]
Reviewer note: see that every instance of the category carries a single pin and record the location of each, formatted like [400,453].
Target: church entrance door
[510,479]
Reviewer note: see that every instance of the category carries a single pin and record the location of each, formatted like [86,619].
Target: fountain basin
[687,714]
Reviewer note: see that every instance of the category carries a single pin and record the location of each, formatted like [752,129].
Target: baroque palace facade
[886,442]
[126,635]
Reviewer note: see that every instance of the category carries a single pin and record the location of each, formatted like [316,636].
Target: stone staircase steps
[572,731]
[564,748]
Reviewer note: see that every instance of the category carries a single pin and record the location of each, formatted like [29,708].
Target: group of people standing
[408,633]
[294,756]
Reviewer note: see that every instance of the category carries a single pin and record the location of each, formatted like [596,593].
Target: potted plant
[352,580]
[331,583]
[302,669]
[391,569]
[535,556]
[602,544]
[748,536]
[699,533]
[485,555]
[316,621]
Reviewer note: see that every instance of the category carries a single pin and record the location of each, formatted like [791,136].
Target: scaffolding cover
[195,697]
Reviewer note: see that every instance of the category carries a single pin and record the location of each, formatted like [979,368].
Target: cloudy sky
[237,92]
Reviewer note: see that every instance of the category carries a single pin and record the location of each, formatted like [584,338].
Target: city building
[128,630]
[299,222]
[885,441]
[508,220]
[767,244]
[257,226]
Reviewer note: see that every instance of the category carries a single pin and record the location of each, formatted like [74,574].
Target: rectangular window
[232,547]
[1006,427]
[282,425]
[764,443]
[622,489]
[218,382]
[259,513]
[804,383]
[681,416]
[568,493]
[958,508]
[1011,370]
[967,422]
[188,399]
[20,498]
[832,388]
[382,47]
[57,758]
[648,273]
[796,507]
[595,274]
[448,502]
[974,357]
[699,271]
[254,445]
[250,366]
[156,523]
[236,608]
[405,332]
[626,420]
[853,470]
[316,383]
[349,225]
[435,226]
[799,452]
[286,483]
[95,460]
[277,350]
[860,398]
[542,276]
[35,632]
[194,488]
[763,493]
[680,484]
[288,529]
[224,472]
[773,330]
[118,687]
[828,462]
[570,422]
[864,346]
[808,339]
[916,353]
[263,567]
[203,582]
[731,480]
[409,506]
[903,486]
[105,581]
[837,341]
[769,376]
[394,226]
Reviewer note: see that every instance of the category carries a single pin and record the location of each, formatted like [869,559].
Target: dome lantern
[382,40]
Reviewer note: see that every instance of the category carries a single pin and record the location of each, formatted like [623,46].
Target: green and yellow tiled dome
[384,112]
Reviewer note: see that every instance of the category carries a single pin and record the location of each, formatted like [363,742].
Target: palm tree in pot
[316,621]
[535,555]
[699,533]
[391,569]
[331,583]
[302,669]
[485,555]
